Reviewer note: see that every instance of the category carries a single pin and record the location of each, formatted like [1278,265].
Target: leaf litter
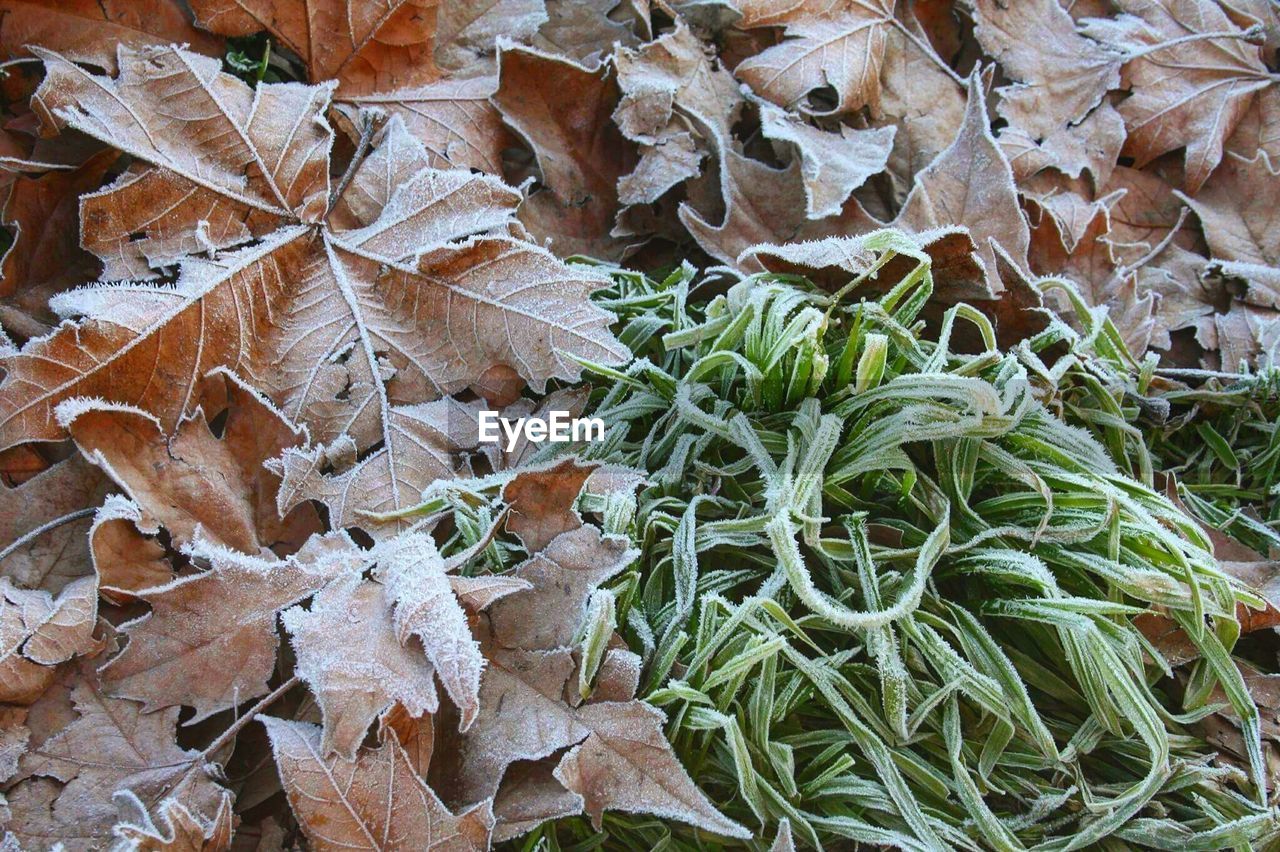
[940,512]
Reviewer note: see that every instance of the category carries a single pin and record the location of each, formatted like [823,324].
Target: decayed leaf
[337,321]
[838,45]
[833,164]
[209,641]
[349,655]
[61,498]
[191,482]
[1241,223]
[562,111]
[372,800]
[90,30]
[37,632]
[1189,89]
[970,184]
[111,745]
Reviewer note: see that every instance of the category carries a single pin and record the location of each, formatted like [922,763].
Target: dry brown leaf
[209,641]
[349,318]
[1060,76]
[90,30]
[563,575]
[562,111]
[416,735]
[833,164]
[365,46]
[467,30]
[541,502]
[841,45]
[970,184]
[111,745]
[583,30]
[126,555]
[37,632]
[193,483]
[350,656]
[45,257]
[372,800]
[1241,223]
[179,830]
[530,795]
[1188,90]
[61,498]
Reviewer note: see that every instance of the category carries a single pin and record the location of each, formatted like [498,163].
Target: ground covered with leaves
[934,341]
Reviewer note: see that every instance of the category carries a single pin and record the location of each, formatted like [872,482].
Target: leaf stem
[236,726]
[31,535]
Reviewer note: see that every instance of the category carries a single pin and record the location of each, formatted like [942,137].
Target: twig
[227,735]
[30,536]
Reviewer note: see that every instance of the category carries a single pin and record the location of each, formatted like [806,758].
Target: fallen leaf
[837,45]
[372,800]
[209,641]
[1189,87]
[541,502]
[970,184]
[192,482]
[833,164]
[562,111]
[37,632]
[90,30]
[125,559]
[180,830]
[583,30]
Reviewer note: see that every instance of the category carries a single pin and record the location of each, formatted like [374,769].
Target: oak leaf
[372,800]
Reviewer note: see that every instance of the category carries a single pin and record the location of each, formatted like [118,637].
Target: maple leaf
[1242,225]
[209,641]
[109,745]
[90,30]
[191,482]
[1192,77]
[45,257]
[833,164]
[179,830]
[337,320]
[37,632]
[562,110]
[837,44]
[970,184]
[373,800]
[43,523]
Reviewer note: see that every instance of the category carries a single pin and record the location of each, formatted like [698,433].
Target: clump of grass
[887,592]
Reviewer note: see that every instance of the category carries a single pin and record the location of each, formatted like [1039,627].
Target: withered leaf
[50,560]
[542,502]
[373,800]
[126,556]
[350,656]
[38,631]
[179,830]
[337,321]
[838,45]
[90,30]
[191,482]
[111,745]
[562,110]
[1189,89]
[970,184]
[209,641]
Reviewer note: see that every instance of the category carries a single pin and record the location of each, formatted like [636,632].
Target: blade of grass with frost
[908,574]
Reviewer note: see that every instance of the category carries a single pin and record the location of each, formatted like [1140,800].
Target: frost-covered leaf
[176,829]
[209,641]
[372,800]
[350,656]
[38,631]
[541,502]
[190,482]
